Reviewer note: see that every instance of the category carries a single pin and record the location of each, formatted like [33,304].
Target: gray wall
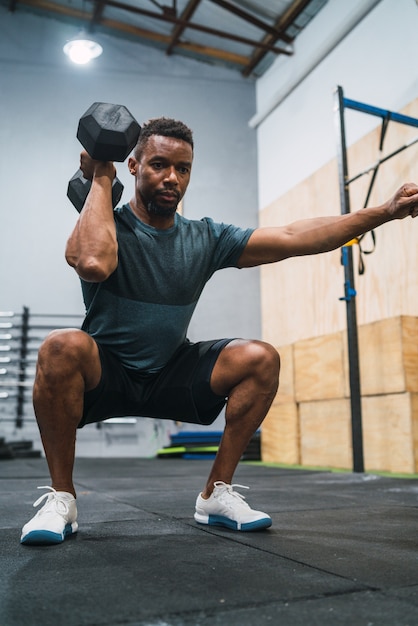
[42,97]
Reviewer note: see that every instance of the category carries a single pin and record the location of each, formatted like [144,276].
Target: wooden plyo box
[310,419]
[389,433]
[390,425]
[280,434]
[320,370]
[325,433]
[280,430]
[286,391]
[388,351]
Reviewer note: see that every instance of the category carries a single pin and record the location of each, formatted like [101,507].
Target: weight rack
[21,335]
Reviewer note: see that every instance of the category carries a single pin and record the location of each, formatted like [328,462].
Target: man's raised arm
[92,247]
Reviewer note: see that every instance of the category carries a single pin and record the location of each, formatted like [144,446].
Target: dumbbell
[79,187]
[109,133]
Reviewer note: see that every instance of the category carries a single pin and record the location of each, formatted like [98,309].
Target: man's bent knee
[263,362]
[64,352]
[243,359]
[66,343]
[263,355]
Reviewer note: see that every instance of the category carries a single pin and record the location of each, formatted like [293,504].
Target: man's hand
[91,168]
[404,202]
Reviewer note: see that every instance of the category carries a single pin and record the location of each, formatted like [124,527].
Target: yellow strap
[352,242]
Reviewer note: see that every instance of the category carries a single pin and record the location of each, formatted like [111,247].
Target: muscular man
[142,269]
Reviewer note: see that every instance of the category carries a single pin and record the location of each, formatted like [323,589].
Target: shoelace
[60,505]
[230,490]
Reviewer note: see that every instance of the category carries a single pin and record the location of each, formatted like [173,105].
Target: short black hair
[165,126]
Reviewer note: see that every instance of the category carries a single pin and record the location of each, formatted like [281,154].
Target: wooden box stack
[280,429]
[310,420]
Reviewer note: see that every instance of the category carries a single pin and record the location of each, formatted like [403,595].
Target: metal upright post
[349,293]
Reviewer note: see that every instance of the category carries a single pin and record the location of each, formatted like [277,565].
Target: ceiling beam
[267,47]
[195,49]
[248,17]
[282,23]
[187,13]
[139,33]
[97,13]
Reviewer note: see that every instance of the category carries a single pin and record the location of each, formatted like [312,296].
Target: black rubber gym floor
[343,549]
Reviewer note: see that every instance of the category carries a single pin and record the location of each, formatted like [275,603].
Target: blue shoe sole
[219,520]
[46,537]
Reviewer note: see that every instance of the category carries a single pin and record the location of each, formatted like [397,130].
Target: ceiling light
[81,50]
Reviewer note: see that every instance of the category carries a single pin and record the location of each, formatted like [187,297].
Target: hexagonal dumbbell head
[79,187]
[108,131]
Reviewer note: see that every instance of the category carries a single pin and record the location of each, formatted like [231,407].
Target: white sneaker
[54,521]
[227,507]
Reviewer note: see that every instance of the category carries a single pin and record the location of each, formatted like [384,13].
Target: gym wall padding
[302,315]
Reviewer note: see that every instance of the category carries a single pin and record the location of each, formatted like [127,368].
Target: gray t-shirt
[142,311]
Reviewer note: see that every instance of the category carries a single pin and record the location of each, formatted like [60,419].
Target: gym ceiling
[245,35]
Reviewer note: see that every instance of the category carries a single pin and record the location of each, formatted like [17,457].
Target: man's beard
[161,211]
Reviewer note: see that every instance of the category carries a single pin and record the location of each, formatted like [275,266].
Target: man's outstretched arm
[323,234]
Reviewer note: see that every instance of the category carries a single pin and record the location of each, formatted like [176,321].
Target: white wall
[42,98]
[376,64]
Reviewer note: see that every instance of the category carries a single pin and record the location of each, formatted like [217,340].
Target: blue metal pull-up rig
[340,104]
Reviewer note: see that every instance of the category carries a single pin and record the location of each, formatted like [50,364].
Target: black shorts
[180,391]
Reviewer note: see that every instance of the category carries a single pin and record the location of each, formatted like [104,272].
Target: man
[142,269]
